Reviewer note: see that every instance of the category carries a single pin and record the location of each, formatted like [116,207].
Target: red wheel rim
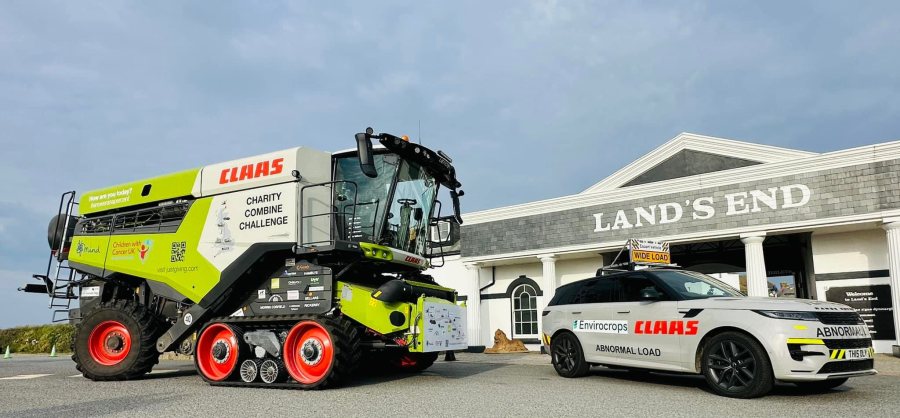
[214,363]
[308,352]
[109,343]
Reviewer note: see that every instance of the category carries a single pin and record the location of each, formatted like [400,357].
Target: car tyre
[735,365]
[567,356]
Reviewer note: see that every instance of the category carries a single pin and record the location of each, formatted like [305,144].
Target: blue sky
[532,99]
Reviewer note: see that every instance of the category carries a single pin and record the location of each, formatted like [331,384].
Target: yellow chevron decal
[805,341]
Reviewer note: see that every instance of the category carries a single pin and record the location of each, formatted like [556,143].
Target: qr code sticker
[178,251]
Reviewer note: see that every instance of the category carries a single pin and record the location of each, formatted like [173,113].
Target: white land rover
[683,321]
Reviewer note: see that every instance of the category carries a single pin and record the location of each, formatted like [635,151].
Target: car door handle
[576,313]
[623,312]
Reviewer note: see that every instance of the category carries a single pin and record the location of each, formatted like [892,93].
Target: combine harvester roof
[245,173]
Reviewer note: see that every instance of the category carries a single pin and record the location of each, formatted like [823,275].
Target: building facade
[771,221]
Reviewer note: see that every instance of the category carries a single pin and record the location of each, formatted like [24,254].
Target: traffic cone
[53,351]
[6,355]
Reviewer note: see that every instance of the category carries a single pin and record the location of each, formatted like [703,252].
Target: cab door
[591,317]
[654,325]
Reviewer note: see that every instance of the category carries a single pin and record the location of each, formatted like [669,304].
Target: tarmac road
[476,385]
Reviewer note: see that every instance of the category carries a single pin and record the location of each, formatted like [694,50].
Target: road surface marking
[24,376]
[77,375]
[162,371]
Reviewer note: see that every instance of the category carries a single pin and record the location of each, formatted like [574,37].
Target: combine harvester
[285,269]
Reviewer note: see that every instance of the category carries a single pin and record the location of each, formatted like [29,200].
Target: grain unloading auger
[285,269]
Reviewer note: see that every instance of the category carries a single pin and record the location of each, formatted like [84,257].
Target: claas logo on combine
[252,171]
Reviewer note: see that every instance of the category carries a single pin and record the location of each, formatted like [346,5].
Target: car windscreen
[693,285]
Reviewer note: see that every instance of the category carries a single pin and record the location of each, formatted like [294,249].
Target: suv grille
[847,366]
[839,318]
[855,343]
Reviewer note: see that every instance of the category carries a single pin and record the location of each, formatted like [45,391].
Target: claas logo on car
[666,327]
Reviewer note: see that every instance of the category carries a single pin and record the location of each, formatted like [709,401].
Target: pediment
[690,154]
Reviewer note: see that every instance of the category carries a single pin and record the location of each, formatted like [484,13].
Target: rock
[502,344]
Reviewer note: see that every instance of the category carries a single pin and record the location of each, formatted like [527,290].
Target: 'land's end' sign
[740,203]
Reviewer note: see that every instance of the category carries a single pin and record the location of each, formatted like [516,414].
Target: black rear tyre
[116,341]
[737,366]
[567,356]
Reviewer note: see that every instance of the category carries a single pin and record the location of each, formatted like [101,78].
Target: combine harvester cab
[285,269]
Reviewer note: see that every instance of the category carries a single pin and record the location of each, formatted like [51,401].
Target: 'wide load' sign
[649,252]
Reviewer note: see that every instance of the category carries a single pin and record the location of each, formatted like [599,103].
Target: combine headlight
[792,315]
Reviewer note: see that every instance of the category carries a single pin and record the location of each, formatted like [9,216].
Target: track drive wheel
[321,352]
[220,348]
[116,341]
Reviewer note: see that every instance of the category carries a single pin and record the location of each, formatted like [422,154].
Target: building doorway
[787,257]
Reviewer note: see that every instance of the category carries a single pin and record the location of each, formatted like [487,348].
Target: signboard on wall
[873,302]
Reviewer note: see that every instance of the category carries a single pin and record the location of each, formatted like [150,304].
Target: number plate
[853,354]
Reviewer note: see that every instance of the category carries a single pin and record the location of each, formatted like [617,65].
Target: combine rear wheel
[321,352]
[116,341]
[219,349]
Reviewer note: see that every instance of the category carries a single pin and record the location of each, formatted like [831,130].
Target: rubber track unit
[345,335]
[149,328]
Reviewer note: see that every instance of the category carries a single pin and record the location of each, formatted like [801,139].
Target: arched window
[525,315]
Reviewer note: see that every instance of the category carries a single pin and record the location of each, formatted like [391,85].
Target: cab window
[600,290]
[631,288]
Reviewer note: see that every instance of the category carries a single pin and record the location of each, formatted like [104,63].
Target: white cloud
[389,86]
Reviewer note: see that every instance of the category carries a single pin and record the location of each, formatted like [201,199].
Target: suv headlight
[792,315]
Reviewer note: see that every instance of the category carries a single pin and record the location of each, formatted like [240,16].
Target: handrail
[332,225]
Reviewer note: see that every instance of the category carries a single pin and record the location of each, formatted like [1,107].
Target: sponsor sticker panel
[600,326]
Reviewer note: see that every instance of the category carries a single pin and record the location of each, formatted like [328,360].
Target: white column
[757,282]
[550,282]
[892,226]
[474,304]
[549,285]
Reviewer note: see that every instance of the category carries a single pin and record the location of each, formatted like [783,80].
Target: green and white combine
[285,269]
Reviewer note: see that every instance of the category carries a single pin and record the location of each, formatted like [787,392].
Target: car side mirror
[650,294]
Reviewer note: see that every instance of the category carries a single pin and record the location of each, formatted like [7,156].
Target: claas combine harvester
[285,269]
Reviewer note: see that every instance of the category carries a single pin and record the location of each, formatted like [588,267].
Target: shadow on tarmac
[699,382]
[444,370]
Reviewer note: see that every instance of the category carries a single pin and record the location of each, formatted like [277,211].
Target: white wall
[570,271]
[506,274]
[453,274]
[850,251]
